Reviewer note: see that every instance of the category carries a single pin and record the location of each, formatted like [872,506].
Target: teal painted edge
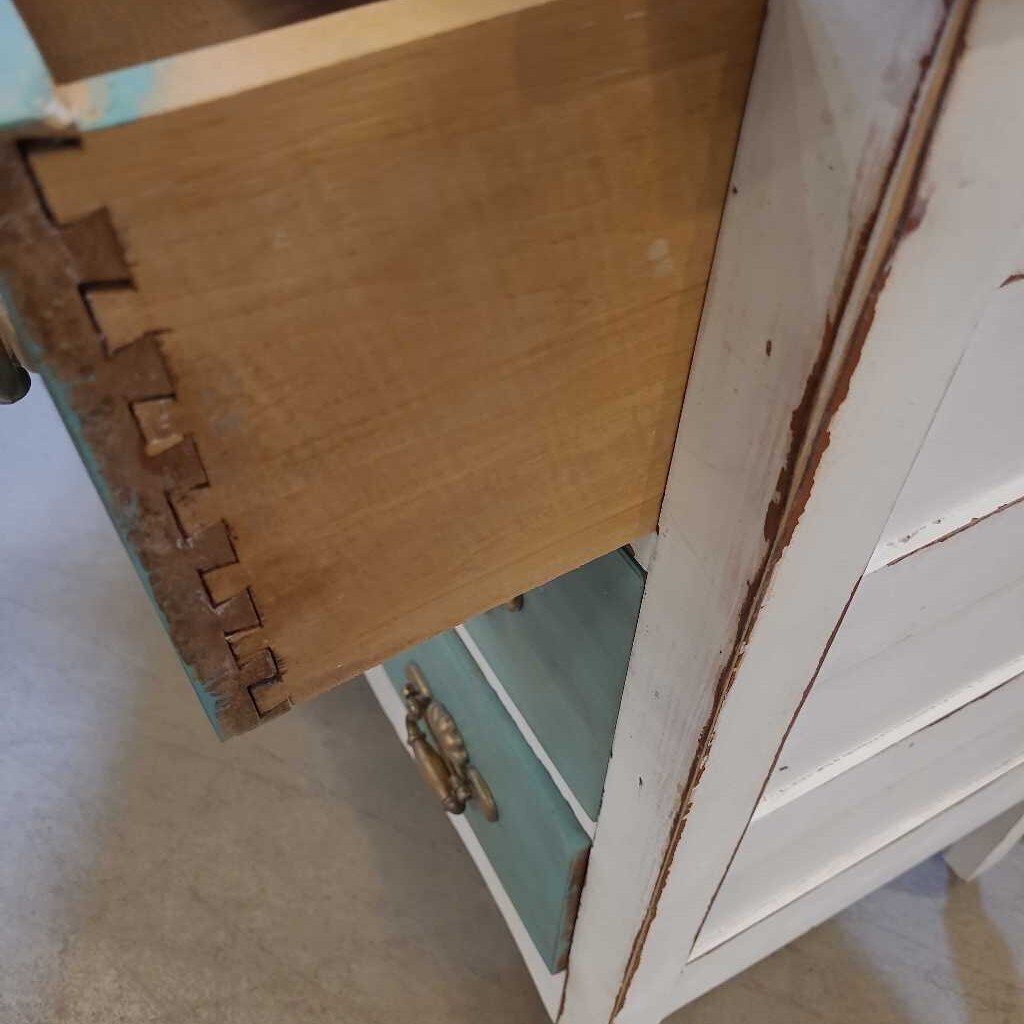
[26,89]
[120,516]
[536,847]
[28,96]
[121,96]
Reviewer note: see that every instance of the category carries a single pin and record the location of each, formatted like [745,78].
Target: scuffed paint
[124,515]
[26,89]
[209,701]
[785,510]
[120,96]
[60,393]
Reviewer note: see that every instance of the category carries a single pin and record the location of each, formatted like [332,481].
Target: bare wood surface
[430,313]
[86,38]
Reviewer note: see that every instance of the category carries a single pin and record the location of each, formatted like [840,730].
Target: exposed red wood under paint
[783,515]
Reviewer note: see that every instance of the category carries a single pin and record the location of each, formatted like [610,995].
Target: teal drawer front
[562,659]
[536,847]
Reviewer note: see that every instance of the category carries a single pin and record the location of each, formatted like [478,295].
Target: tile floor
[151,875]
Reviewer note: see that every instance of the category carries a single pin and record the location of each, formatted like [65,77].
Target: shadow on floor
[987,968]
[822,978]
[301,874]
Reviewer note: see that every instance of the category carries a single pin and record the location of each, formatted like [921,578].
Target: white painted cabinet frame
[876,192]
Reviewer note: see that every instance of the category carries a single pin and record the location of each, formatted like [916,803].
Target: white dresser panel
[972,460]
[789,851]
[921,638]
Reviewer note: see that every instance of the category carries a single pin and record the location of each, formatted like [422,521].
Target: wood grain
[430,312]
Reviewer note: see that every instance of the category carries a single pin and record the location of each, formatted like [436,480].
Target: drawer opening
[79,40]
[558,658]
[534,688]
[536,847]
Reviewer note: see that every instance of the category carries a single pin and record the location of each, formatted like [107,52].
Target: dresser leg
[979,850]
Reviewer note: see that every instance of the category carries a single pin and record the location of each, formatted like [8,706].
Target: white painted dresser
[826,682]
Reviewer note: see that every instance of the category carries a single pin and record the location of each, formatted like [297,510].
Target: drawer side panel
[429,312]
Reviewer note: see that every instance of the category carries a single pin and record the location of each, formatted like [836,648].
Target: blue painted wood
[118,97]
[536,847]
[562,659]
[26,89]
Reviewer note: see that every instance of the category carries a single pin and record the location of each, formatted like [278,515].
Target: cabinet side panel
[826,119]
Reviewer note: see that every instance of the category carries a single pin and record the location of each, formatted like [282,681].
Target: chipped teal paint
[207,700]
[536,846]
[27,93]
[121,96]
[26,89]
[123,520]
[562,659]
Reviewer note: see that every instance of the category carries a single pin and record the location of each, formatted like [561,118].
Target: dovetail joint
[117,394]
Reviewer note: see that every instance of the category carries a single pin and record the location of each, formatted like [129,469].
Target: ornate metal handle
[444,764]
[14,378]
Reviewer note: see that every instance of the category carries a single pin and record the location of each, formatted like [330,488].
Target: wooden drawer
[561,658]
[365,324]
[536,848]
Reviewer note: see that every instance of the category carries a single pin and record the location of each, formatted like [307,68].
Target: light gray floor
[300,874]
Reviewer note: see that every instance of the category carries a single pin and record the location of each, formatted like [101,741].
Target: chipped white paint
[934,290]
[833,86]
[829,97]
[658,254]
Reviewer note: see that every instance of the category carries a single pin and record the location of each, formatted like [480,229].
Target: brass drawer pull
[444,764]
[14,378]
